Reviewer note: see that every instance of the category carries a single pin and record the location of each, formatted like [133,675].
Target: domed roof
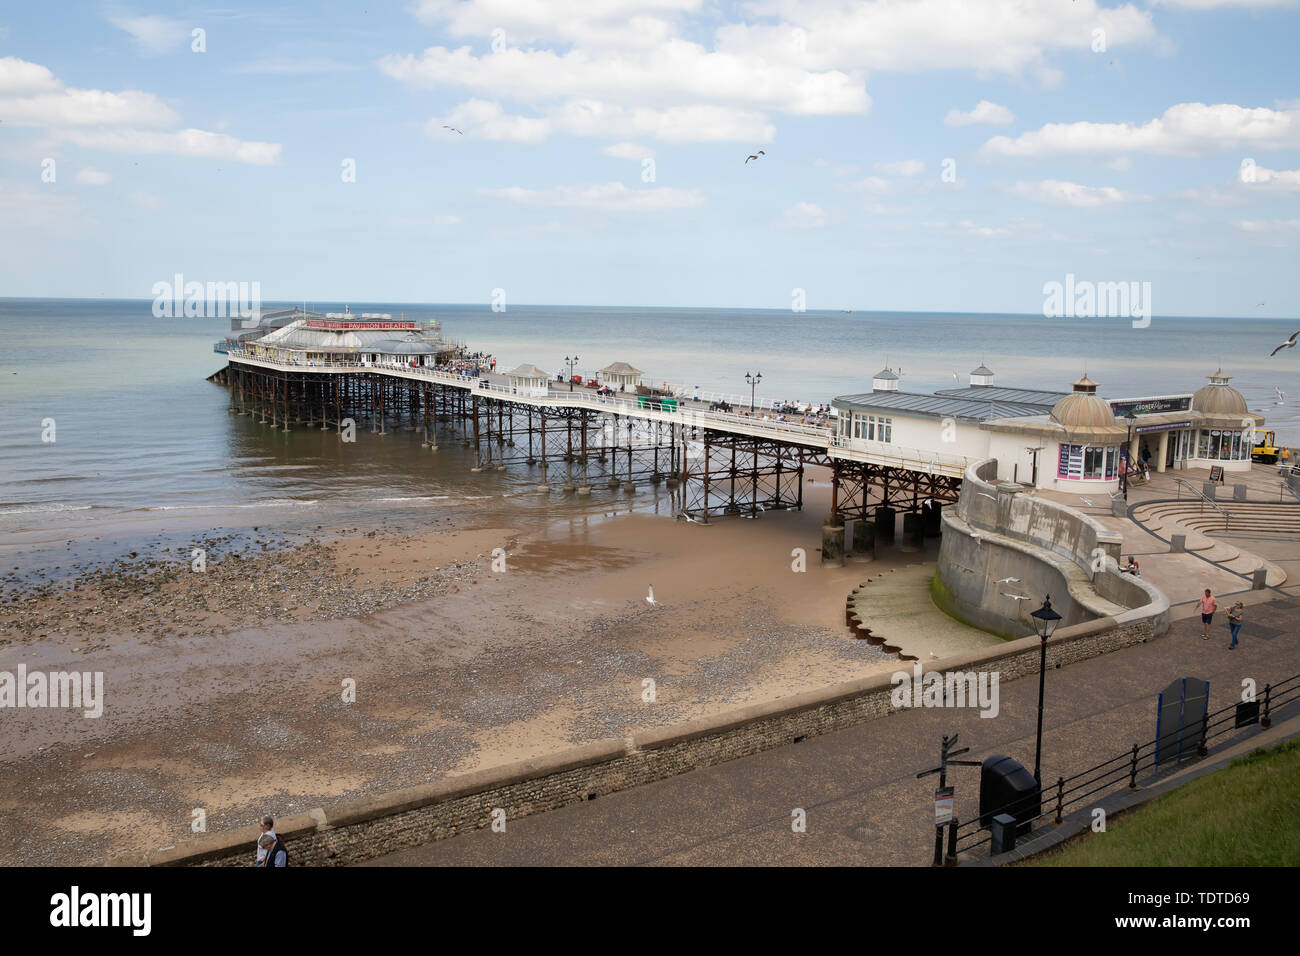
[1219,398]
[1083,408]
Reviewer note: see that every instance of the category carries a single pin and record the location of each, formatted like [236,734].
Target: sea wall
[360,830]
[1000,541]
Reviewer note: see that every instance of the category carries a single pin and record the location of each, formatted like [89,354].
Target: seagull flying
[754,156]
[1288,344]
[453,129]
[1281,395]
[1016,597]
[975,535]
[990,497]
[1086,501]
[1007,581]
[650,598]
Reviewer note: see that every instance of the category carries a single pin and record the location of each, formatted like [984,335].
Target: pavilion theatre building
[1074,441]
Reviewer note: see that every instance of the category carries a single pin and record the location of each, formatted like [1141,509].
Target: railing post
[951,858]
[1265,720]
[1133,770]
[938,845]
[1060,799]
[1201,748]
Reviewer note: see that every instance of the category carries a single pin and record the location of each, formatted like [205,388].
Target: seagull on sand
[754,156]
[1007,581]
[1288,344]
[650,598]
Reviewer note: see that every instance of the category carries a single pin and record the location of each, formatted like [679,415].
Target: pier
[727,463]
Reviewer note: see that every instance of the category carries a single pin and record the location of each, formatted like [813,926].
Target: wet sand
[223,690]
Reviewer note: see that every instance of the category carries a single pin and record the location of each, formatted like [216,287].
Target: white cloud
[983,232]
[1072,194]
[1211,4]
[1209,195]
[674,71]
[628,151]
[31,96]
[1120,163]
[1273,180]
[145,200]
[906,167]
[697,123]
[803,215]
[484,120]
[185,142]
[989,36]
[1187,129]
[1269,225]
[153,34]
[984,112]
[609,197]
[20,76]
[90,176]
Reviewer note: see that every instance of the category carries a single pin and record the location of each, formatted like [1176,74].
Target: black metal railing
[1123,769]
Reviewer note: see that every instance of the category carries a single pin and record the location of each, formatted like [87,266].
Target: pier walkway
[686,412]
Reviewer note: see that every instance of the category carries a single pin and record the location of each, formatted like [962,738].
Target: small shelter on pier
[529,380]
[621,375]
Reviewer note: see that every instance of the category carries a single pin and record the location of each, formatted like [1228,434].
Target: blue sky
[1115,164]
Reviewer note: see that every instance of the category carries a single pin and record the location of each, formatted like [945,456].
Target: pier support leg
[832,545]
[913,532]
[885,521]
[864,539]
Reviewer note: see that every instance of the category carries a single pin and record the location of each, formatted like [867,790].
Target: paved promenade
[863,803]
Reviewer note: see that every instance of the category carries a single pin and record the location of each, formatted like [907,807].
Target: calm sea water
[140,435]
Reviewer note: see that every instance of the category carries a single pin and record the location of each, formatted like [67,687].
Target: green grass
[1247,814]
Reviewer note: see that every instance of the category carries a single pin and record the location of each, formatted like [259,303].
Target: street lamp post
[1130,418]
[1045,621]
[570,362]
[753,381]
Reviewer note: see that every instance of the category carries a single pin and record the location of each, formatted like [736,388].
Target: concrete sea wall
[998,532]
[360,830]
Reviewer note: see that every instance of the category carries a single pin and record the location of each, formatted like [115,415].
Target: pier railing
[686,412]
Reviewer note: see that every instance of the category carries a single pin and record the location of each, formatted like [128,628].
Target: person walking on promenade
[1236,614]
[1208,607]
[268,827]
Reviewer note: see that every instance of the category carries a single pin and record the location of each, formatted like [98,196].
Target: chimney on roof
[981,377]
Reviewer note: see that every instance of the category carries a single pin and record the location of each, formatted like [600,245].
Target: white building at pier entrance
[1075,441]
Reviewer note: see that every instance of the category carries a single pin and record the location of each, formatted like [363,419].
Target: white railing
[684,413]
[687,413]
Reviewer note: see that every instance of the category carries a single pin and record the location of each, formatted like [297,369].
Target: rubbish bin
[1007,787]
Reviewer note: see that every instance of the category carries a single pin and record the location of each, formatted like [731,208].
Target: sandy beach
[224,689]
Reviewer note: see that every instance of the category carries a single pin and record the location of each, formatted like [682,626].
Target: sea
[145,450]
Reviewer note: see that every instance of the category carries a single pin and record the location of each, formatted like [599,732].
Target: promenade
[864,805]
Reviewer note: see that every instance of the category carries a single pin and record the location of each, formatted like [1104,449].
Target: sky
[919,155]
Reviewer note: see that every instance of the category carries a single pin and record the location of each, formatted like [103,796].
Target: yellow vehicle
[1265,449]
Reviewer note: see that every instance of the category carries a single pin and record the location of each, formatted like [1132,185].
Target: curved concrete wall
[996,532]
